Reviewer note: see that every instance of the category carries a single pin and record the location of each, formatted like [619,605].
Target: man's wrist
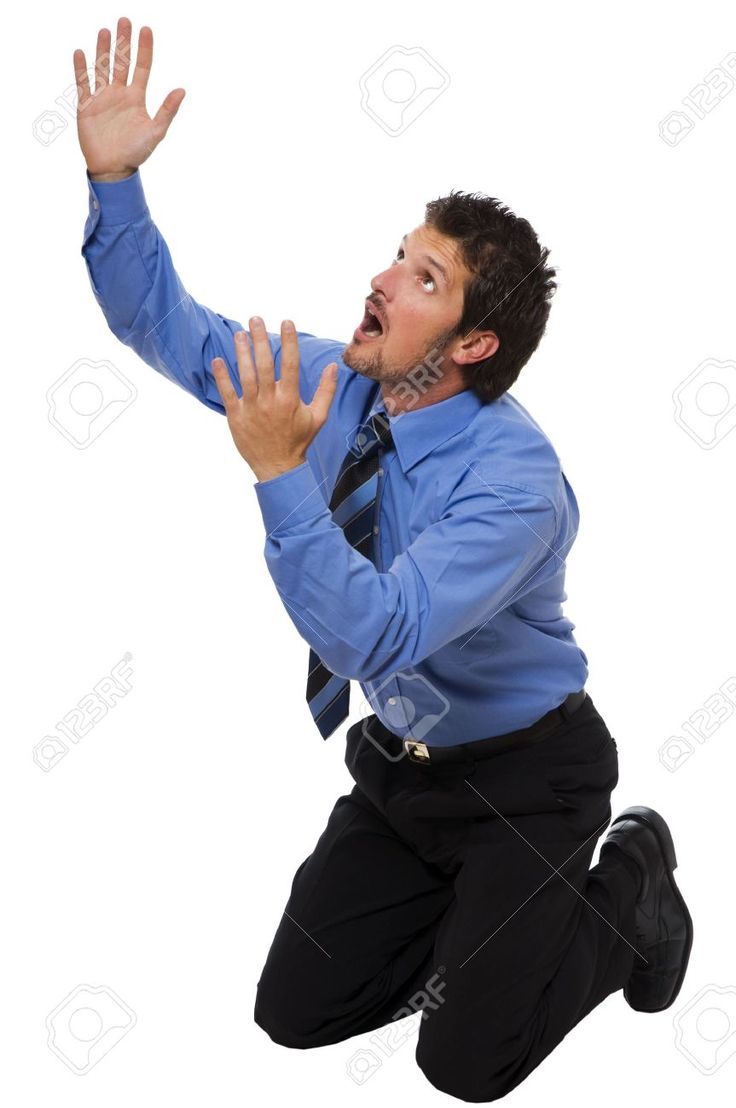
[275,469]
[106,178]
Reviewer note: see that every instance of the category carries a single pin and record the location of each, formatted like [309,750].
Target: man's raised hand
[115,131]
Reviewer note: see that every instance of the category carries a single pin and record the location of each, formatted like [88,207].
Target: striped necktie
[353,507]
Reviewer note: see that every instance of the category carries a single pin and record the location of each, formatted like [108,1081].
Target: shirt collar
[417,432]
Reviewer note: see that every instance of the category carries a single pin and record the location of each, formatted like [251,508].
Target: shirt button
[391,700]
[380,471]
[376,529]
[95,203]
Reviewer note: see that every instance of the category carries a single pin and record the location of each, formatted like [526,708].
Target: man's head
[468,294]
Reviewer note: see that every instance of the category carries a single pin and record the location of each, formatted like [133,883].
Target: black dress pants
[464,891]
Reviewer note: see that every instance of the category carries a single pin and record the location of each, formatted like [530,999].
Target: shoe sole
[652,819]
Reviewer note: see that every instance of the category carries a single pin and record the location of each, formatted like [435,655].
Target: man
[417,521]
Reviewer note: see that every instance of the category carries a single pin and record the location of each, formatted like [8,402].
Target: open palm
[115,131]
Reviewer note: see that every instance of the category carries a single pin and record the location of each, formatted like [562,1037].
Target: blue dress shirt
[455,631]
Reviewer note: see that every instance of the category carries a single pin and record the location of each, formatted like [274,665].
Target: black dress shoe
[664,929]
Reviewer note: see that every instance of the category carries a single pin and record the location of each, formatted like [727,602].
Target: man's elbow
[377,665]
[349,663]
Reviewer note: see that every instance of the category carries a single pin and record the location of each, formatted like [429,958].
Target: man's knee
[455,1081]
[280,1010]
[292,1016]
[477,1076]
[282,1023]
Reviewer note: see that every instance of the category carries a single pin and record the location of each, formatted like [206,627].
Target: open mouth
[371,326]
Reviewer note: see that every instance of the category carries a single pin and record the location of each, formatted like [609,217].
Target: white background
[156,857]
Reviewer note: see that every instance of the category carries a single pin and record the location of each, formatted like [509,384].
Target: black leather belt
[480,748]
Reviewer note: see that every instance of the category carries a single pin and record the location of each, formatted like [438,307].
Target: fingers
[80,78]
[261,377]
[224,384]
[121,61]
[121,64]
[289,357]
[144,58]
[263,354]
[248,380]
[122,52]
[102,61]
[324,393]
[167,111]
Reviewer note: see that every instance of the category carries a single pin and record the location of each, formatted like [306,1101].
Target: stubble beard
[371,363]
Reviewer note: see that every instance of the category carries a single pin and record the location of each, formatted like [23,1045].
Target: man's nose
[382,282]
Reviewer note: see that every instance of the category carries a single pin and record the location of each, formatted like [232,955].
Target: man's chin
[354,359]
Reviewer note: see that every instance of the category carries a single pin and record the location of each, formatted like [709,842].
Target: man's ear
[477,347]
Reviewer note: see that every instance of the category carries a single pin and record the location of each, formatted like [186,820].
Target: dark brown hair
[510,289]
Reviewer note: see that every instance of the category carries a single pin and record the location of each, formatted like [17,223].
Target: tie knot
[375,432]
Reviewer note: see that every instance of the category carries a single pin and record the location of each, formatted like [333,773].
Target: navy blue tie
[353,507]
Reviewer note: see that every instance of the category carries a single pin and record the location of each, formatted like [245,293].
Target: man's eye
[427,276]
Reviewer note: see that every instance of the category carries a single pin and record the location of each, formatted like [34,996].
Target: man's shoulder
[510,436]
[313,348]
[509,447]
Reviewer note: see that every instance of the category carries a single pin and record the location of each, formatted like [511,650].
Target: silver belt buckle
[418,752]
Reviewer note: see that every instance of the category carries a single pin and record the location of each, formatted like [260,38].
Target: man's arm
[147,307]
[141,296]
[129,265]
[491,545]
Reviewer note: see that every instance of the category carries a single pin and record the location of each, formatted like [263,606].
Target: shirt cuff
[117,201]
[290,499]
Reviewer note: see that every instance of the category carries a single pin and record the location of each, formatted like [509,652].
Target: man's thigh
[356,938]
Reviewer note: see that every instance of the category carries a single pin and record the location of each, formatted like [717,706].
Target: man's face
[419,300]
